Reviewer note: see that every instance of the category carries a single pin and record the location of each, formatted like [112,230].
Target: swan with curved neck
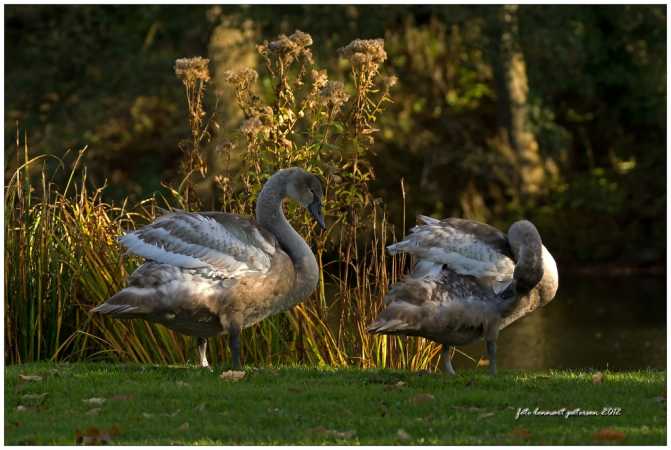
[470,281]
[212,273]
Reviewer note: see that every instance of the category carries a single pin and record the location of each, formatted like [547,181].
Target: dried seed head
[334,94]
[241,77]
[301,39]
[264,114]
[252,127]
[192,69]
[364,51]
[288,48]
[282,44]
[390,81]
[319,79]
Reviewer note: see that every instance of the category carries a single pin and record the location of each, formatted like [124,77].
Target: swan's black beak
[315,209]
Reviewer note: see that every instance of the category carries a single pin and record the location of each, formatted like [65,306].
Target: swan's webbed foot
[202,352]
[447,361]
[235,347]
[491,355]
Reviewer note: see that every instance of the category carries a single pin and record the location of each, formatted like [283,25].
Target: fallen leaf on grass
[468,408]
[93,412]
[232,375]
[333,433]
[94,436]
[183,427]
[94,401]
[609,434]
[521,433]
[483,362]
[30,377]
[200,408]
[22,408]
[395,386]
[486,415]
[597,378]
[420,399]
[147,415]
[402,435]
[35,399]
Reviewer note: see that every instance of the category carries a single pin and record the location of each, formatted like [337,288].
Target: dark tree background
[555,113]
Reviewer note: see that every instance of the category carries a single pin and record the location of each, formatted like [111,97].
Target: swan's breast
[258,296]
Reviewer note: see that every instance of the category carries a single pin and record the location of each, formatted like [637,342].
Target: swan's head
[307,190]
[527,247]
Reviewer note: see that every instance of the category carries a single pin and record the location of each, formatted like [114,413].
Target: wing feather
[226,243]
[467,247]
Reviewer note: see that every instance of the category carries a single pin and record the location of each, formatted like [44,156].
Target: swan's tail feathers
[399,317]
[389,326]
[398,247]
[129,303]
[427,220]
[114,310]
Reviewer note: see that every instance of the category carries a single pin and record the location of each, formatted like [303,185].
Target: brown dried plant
[194,74]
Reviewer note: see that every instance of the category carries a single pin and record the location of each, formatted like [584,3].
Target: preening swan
[470,281]
[212,273]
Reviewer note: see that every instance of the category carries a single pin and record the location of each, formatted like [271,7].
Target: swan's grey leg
[202,351]
[447,361]
[235,346]
[491,354]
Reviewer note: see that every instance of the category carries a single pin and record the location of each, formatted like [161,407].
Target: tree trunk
[512,86]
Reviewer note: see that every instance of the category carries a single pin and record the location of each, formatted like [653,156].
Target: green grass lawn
[298,405]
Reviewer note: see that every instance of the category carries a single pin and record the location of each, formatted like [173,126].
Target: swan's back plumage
[464,246]
[225,243]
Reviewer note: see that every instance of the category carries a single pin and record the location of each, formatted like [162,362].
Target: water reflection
[610,322]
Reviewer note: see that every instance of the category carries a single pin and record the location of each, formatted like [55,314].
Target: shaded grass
[299,405]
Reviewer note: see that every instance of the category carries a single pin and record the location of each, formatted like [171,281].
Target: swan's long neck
[269,215]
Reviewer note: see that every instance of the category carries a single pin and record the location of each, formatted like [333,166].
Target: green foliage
[597,80]
[150,405]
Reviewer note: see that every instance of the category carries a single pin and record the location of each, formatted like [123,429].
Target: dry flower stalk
[192,69]
[194,74]
[366,57]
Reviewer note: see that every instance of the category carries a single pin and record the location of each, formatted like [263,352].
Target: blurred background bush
[556,113]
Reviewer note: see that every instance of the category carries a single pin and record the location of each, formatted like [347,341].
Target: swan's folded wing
[228,244]
[465,246]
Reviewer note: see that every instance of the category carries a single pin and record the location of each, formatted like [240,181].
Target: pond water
[610,322]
